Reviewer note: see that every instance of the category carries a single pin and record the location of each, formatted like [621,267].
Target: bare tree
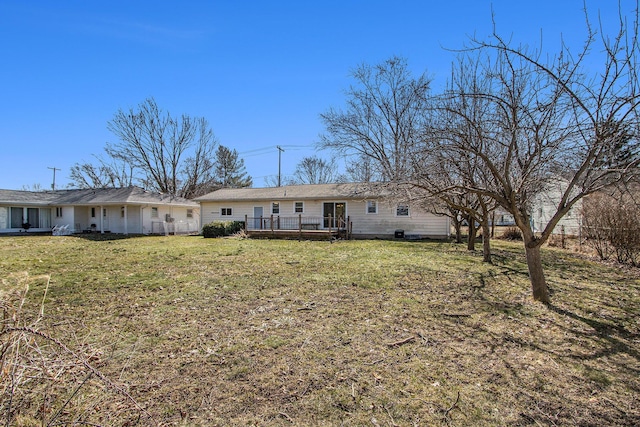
[361,169]
[107,173]
[171,154]
[555,120]
[315,170]
[382,118]
[445,167]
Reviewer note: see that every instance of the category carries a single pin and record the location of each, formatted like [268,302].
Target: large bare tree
[172,153]
[315,170]
[565,121]
[382,118]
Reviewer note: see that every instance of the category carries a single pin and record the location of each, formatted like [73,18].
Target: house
[545,205]
[361,210]
[116,210]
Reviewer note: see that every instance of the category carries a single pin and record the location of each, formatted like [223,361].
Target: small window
[93,212]
[298,207]
[226,211]
[104,213]
[189,213]
[275,207]
[154,212]
[402,210]
[58,212]
[122,212]
[372,207]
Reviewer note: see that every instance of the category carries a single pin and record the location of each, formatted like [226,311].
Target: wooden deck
[297,234]
[298,227]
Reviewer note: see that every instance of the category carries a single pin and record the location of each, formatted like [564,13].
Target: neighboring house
[367,210]
[116,210]
[545,205]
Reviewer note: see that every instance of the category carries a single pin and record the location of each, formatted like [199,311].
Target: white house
[367,210]
[545,204]
[116,210]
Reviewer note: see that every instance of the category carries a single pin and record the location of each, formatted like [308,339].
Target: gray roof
[98,196]
[358,191]
[26,197]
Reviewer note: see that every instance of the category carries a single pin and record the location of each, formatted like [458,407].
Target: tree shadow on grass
[612,333]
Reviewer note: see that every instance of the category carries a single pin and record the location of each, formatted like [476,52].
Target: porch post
[246,223]
[272,223]
[126,227]
[101,220]
[299,227]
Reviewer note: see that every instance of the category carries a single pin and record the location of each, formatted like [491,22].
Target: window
[58,212]
[154,212]
[122,212]
[93,212]
[189,213]
[226,211]
[402,210]
[372,207]
[275,207]
[298,207]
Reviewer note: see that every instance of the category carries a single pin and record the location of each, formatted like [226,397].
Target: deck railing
[295,223]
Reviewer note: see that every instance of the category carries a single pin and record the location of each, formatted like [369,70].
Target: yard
[193,331]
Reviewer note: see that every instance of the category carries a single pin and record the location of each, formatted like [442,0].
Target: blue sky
[260,72]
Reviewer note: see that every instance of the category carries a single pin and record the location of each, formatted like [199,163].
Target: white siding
[382,224]
[546,204]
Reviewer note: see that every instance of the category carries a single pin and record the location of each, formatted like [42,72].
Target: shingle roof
[106,196]
[298,192]
[26,197]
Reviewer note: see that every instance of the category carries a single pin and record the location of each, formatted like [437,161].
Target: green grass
[260,332]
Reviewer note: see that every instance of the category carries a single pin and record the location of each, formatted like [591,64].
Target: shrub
[512,233]
[222,228]
[611,226]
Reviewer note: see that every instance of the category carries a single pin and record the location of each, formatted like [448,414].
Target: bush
[512,233]
[611,226]
[222,228]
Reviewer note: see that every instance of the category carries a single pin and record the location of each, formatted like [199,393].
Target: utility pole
[280,151]
[53,186]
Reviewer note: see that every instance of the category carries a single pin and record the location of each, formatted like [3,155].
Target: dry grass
[252,332]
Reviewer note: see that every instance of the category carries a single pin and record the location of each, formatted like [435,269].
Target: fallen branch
[456,314]
[401,342]
[285,416]
[455,404]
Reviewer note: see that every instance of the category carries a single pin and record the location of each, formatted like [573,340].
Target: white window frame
[295,207]
[402,207]
[226,211]
[154,212]
[189,213]
[374,204]
[59,212]
[275,208]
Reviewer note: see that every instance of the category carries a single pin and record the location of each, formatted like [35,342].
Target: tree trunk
[471,244]
[457,225]
[536,274]
[486,241]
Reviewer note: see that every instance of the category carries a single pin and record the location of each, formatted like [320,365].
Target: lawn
[192,331]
